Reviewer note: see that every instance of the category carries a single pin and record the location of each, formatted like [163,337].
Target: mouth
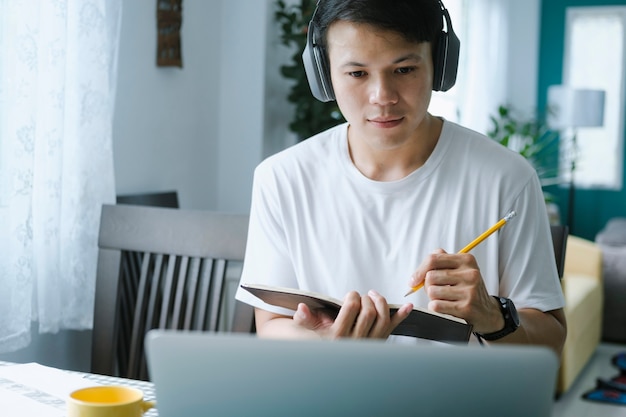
[385,122]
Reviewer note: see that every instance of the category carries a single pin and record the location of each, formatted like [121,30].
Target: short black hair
[416,20]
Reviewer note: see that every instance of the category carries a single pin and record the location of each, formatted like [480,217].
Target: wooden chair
[156,199]
[132,260]
[187,257]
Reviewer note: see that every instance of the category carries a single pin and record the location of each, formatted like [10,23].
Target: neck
[393,163]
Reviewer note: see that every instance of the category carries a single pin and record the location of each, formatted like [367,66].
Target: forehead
[342,28]
[345,37]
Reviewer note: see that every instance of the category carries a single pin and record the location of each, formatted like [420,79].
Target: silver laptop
[239,375]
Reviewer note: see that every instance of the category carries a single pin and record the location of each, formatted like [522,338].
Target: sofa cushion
[614,233]
[583,296]
[614,276]
[583,310]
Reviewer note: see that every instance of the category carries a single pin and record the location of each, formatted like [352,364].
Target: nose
[383,92]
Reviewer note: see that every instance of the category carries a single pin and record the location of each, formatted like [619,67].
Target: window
[594,58]
[481,87]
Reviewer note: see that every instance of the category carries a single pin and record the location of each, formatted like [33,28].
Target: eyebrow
[407,57]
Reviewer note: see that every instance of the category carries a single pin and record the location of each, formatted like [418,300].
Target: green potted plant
[532,139]
[310,115]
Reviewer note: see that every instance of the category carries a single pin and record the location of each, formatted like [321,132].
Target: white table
[15,387]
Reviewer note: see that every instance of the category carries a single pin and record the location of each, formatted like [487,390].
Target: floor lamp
[570,108]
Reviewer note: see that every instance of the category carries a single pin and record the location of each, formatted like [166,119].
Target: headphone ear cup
[439,61]
[446,57]
[324,72]
[316,67]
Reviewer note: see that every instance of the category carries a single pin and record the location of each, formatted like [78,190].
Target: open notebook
[240,375]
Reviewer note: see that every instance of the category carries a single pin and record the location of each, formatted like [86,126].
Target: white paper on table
[14,405]
[21,386]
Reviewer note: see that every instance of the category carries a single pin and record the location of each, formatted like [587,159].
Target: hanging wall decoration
[169,21]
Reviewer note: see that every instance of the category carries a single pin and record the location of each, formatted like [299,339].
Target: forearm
[274,326]
[539,328]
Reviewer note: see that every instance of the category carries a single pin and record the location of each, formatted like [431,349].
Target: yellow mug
[107,401]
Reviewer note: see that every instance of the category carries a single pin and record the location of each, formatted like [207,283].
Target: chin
[389,142]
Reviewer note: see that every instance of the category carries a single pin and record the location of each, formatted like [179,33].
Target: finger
[366,318]
[348,313]
[440,278]
[382,324]
[445,289]
[460,271]
[402,313]
[453,308]
[303,317]
[431,262]
[445,260]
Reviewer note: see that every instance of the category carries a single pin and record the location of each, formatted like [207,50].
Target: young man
[370,208]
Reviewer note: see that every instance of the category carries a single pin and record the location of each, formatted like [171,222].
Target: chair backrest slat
[146,281]
[153,297]
[181,278]
[188,293]
[212,304]
[202,302]
[168,286]
[165,268]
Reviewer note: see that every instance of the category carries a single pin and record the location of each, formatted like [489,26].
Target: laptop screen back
[240,375]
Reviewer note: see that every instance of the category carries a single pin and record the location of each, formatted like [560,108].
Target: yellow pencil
[475,242]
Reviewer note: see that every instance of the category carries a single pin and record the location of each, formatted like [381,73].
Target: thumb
[303,316]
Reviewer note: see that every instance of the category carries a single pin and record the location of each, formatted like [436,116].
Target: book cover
[420,323]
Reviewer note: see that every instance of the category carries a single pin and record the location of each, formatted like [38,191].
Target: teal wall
[592,208]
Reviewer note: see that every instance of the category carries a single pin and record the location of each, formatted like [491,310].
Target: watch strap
[510,323]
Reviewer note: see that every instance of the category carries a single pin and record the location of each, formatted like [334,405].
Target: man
[355,211]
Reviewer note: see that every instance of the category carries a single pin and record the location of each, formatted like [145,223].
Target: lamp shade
[570,107]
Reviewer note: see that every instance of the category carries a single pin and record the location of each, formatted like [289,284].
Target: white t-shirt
[318,224]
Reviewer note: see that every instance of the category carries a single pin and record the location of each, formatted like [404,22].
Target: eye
[357,74]
[405,70]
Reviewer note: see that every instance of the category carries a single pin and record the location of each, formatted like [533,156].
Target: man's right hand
[365,316]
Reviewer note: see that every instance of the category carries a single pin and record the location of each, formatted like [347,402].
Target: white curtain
[57,84]
[483,63]
[482,76]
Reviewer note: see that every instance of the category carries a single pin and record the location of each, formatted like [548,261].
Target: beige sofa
[582,286]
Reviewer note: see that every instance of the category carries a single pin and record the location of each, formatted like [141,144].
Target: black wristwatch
[511,320]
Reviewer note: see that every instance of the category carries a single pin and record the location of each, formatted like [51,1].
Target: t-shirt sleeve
[267,259]
[529,275]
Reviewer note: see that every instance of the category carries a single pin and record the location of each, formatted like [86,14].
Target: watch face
[511,310]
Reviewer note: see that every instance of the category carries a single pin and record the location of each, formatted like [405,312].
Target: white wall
[197,129]
[166,118]
[241,100]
